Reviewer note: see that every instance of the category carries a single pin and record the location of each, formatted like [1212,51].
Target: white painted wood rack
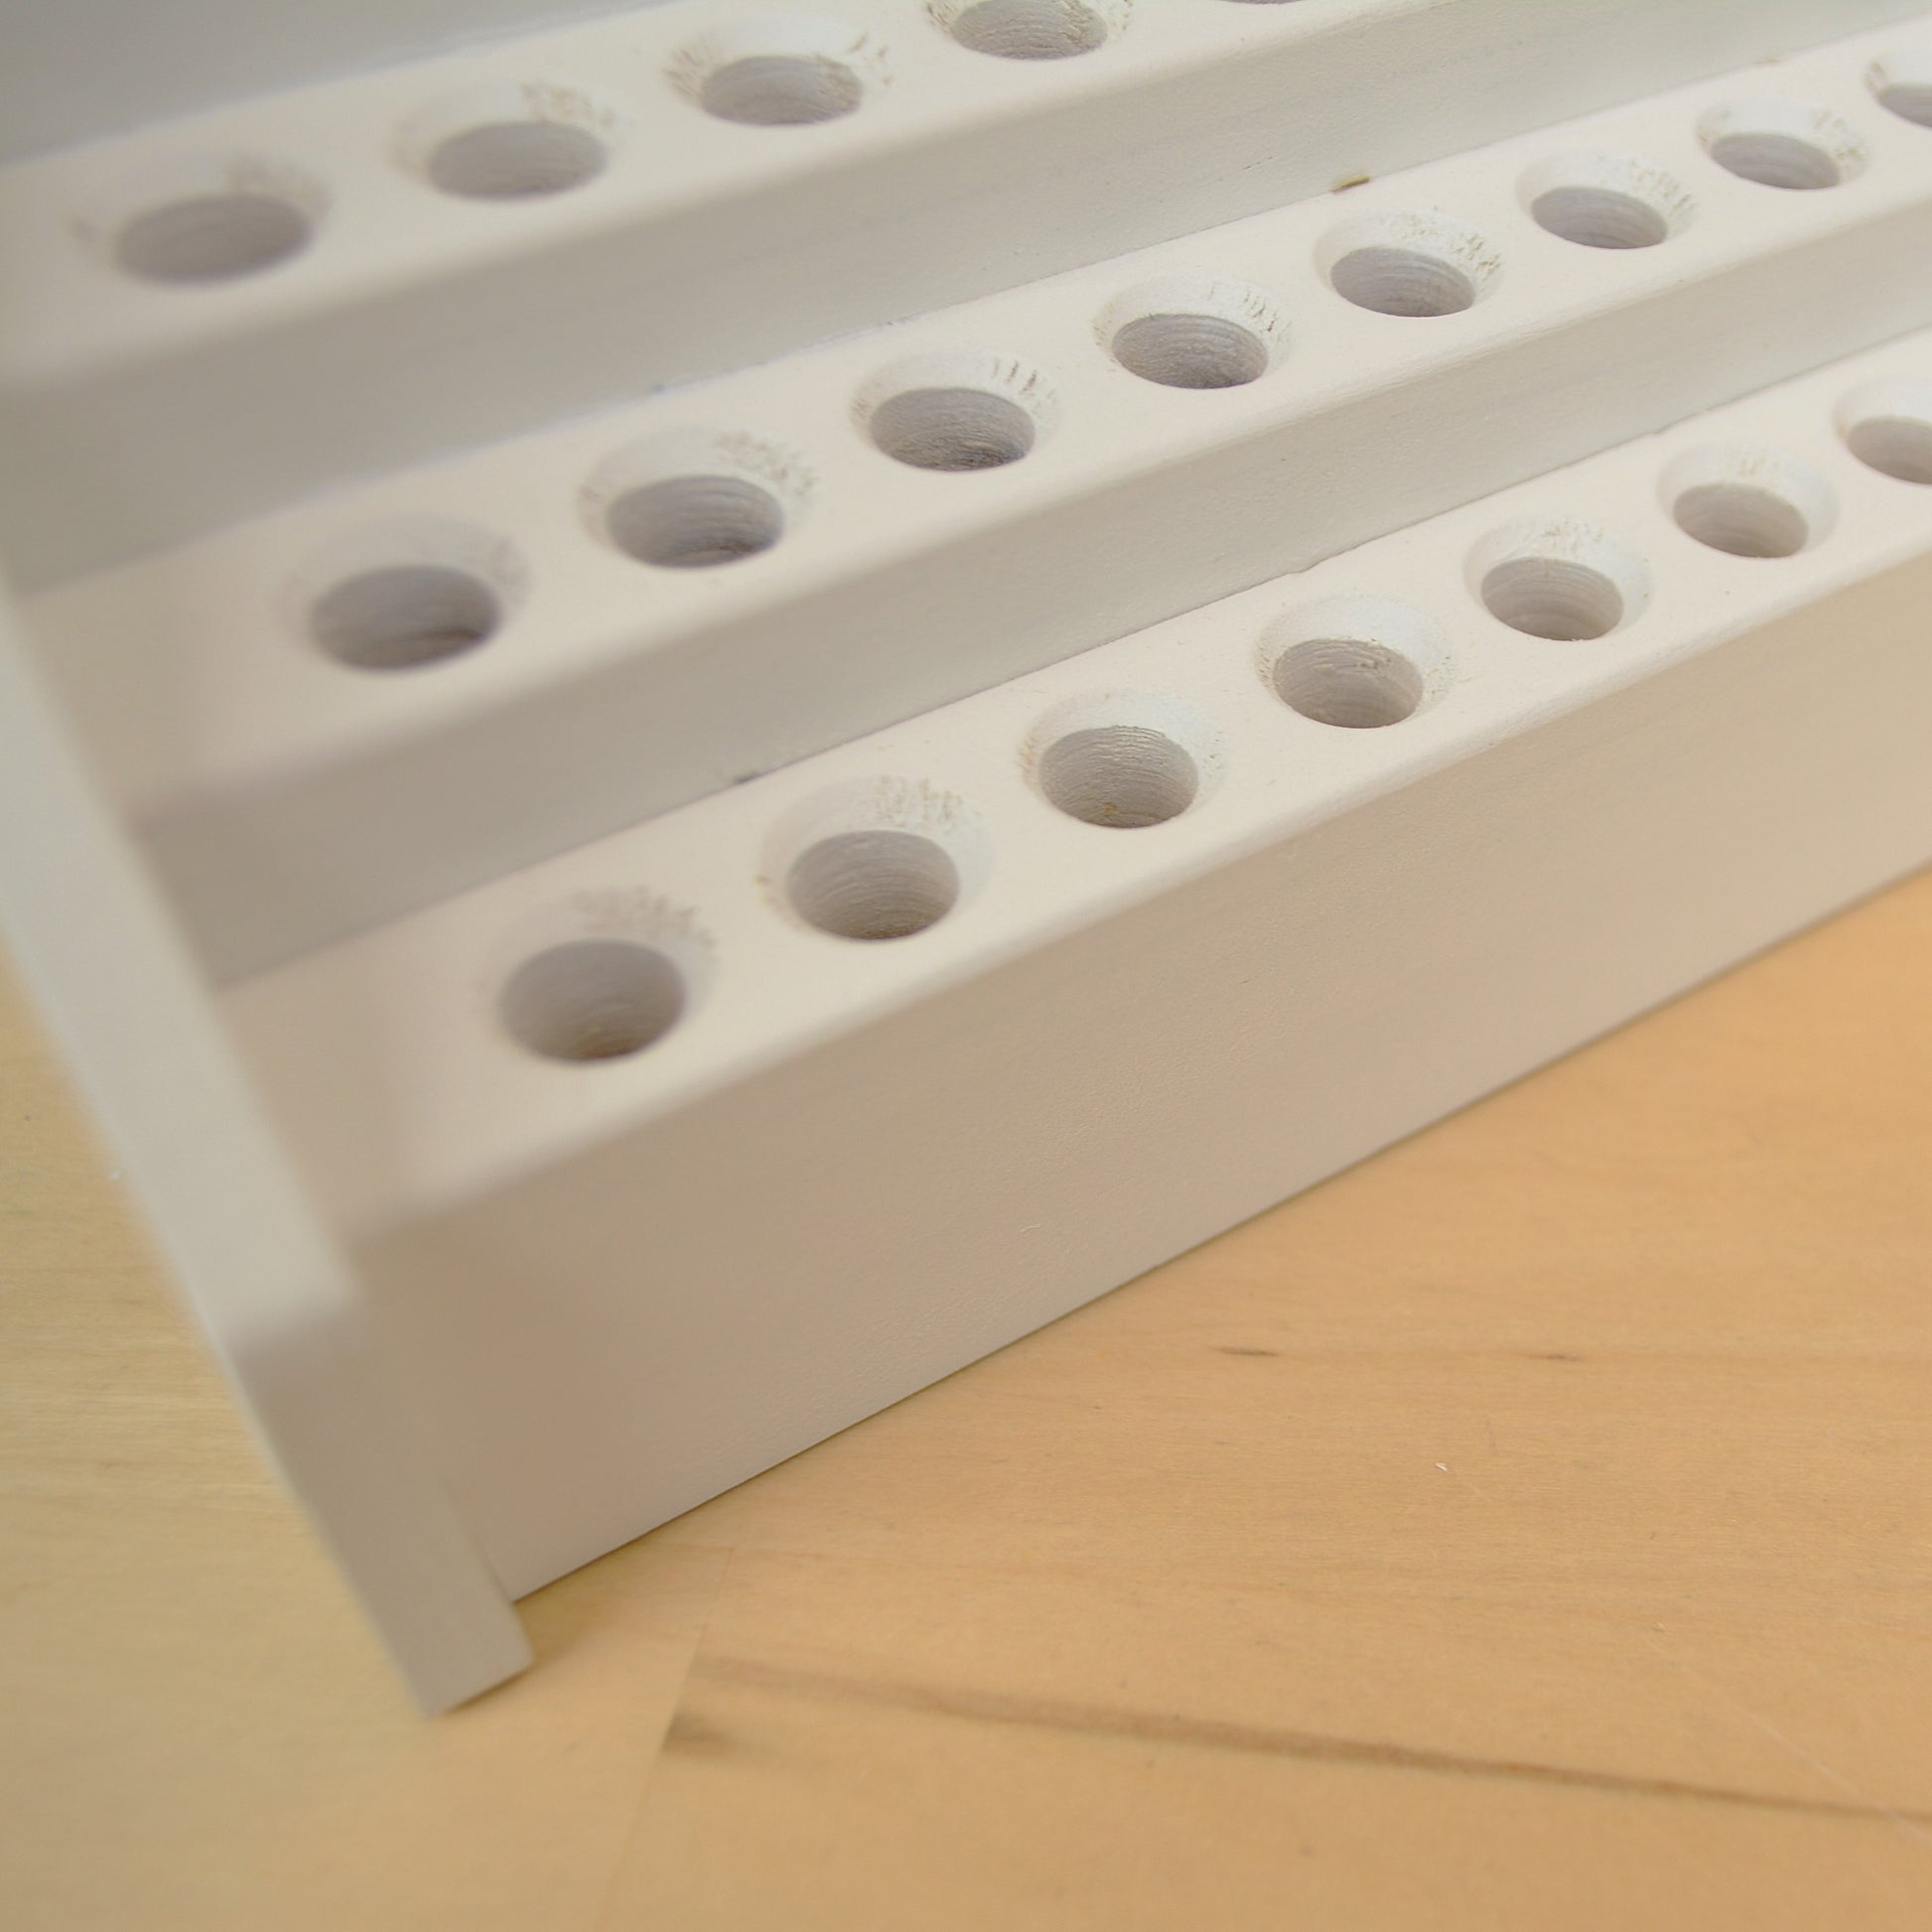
[710,706]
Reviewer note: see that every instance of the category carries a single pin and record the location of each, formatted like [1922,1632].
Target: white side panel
[279,1304]
[1597,757]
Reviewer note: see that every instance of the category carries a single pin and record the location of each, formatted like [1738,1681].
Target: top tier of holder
[324,719]
[206,319]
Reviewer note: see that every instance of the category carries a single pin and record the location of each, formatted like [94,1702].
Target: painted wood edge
[280,1308]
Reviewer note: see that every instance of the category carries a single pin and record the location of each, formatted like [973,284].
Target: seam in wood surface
[1159,1728]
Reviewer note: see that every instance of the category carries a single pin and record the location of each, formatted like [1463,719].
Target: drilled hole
[1028,29]
[1910,102]
[875,885]
[1742,519]
[1191,352]
[1600,218]
[1887,424]
[1895,446]
[781,91]
[1121,776]
[212,237]
[1194,332]
[693,522]
[1347,681]
[1396,281]
[510,161]
[1782,143]
[405,614]
[952,429]
[1776,160]
[1605,201]
[1553,597]
[593,999]
[1748,500]
[1901,83]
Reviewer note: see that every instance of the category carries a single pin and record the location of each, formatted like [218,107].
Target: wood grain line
[1158,1727]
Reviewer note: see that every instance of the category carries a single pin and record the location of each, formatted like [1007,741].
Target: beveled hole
[1399,281]
[781,91]
[509,161]
[593,999]
[952,429]
[1028,29]
[1191,352]
[1742,519]
[403,615]
[872,885]
[1553,597]
[1348,682]
[212,237]
[1124,777]
[695,522]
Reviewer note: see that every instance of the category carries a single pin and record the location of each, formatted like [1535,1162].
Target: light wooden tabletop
[1530,1529]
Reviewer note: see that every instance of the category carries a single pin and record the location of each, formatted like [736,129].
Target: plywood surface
[1530,1529]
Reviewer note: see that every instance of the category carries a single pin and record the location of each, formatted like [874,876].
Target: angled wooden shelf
[621,928]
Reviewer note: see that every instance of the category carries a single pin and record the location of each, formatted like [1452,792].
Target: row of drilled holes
[406,614]
[242,229]
[605,998]
[785,72]
[1411,266]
